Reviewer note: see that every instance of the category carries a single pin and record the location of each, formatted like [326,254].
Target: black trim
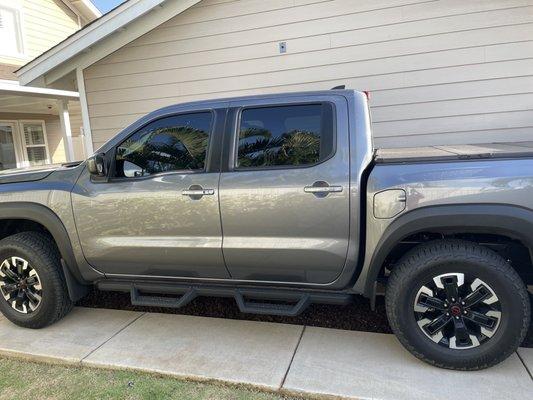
[47,218]
[214,154]
[512,221]
[229,130]
[243,295]
[76,290]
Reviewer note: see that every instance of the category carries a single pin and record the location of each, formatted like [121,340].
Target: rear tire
[455,304]
[33,292]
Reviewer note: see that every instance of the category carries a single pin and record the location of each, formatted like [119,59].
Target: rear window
[285,136]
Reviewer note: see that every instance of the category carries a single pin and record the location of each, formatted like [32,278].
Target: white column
[89,148]
[64,119]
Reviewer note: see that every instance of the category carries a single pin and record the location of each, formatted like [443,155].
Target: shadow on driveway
[356,316]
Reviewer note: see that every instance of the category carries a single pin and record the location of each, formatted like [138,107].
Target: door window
[176,143]
[284,136]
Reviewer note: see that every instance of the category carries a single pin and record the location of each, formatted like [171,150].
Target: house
[438,71]
[32,119]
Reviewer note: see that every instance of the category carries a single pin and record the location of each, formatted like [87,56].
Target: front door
[8,148]
[158,213]
[285,195]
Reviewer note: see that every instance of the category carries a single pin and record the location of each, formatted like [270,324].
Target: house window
[35,143]
[10,32]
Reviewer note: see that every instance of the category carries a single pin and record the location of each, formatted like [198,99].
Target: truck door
[157,215]
[284,189]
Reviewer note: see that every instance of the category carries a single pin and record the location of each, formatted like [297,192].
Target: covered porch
[39,126]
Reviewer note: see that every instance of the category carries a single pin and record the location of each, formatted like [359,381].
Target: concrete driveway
[289,358]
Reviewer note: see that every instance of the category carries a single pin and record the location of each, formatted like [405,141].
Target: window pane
[8,158]
[170,144]
[285,136]
[33,134]
[37,155]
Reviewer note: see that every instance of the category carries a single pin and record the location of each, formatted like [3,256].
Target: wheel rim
[457,311]
[20,285]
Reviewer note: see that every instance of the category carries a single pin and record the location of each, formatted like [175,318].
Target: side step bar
[267,301]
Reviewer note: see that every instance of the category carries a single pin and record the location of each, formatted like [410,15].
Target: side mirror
[96,165]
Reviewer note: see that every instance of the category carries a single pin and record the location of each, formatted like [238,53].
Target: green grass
[27,380]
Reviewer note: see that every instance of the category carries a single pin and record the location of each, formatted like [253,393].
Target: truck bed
[454,152]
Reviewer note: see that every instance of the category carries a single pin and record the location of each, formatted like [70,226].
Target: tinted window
[174,143]
[285,135]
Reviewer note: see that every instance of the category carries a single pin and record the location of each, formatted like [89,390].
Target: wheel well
[9,227]
[514,251]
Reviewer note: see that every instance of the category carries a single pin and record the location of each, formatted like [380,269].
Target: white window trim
[25,159]
[19,16]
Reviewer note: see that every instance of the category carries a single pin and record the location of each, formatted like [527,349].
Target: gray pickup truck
[280,201]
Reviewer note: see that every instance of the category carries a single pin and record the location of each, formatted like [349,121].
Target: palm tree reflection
[259,147]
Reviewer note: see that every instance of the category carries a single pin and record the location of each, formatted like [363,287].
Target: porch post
[64,119]
[89,148]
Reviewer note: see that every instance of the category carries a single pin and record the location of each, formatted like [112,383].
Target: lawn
[27,380]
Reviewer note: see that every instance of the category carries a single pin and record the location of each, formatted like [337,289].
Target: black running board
[267,301]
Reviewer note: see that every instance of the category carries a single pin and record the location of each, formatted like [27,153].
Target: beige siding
[448,71]
[45,23]
[74,109]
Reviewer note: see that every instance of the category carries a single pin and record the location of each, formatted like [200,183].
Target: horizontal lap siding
[45,24]
[448,71]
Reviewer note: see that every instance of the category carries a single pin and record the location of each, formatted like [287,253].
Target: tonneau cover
[455,152]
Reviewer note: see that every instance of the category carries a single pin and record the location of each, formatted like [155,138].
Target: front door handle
[196,192]
[322,189]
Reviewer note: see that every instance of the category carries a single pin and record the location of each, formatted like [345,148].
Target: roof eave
[87,37]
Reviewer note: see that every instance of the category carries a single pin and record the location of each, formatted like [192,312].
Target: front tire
[457,305]
[33,292]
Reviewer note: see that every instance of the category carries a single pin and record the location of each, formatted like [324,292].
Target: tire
[34,252]
[416,314]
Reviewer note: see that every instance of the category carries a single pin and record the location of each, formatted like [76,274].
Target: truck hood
[30,174]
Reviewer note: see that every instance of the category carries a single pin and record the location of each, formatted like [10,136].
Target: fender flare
[512,221]
[46,217]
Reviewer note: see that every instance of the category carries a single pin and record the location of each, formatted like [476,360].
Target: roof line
[98,39]
[70,4]
[76,35]
[92,7]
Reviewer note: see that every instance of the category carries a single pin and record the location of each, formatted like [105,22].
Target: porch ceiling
[21,99]
[29,105]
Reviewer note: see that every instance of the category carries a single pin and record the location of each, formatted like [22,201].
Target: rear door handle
[326,189]
[322,189]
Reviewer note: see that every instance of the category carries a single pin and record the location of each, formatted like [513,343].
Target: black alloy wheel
[457,311]
[20,285]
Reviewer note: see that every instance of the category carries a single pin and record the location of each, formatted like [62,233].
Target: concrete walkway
[291,358]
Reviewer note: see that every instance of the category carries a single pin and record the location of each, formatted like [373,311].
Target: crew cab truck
[280,201]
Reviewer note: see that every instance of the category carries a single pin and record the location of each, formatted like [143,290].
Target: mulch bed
[356,316]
